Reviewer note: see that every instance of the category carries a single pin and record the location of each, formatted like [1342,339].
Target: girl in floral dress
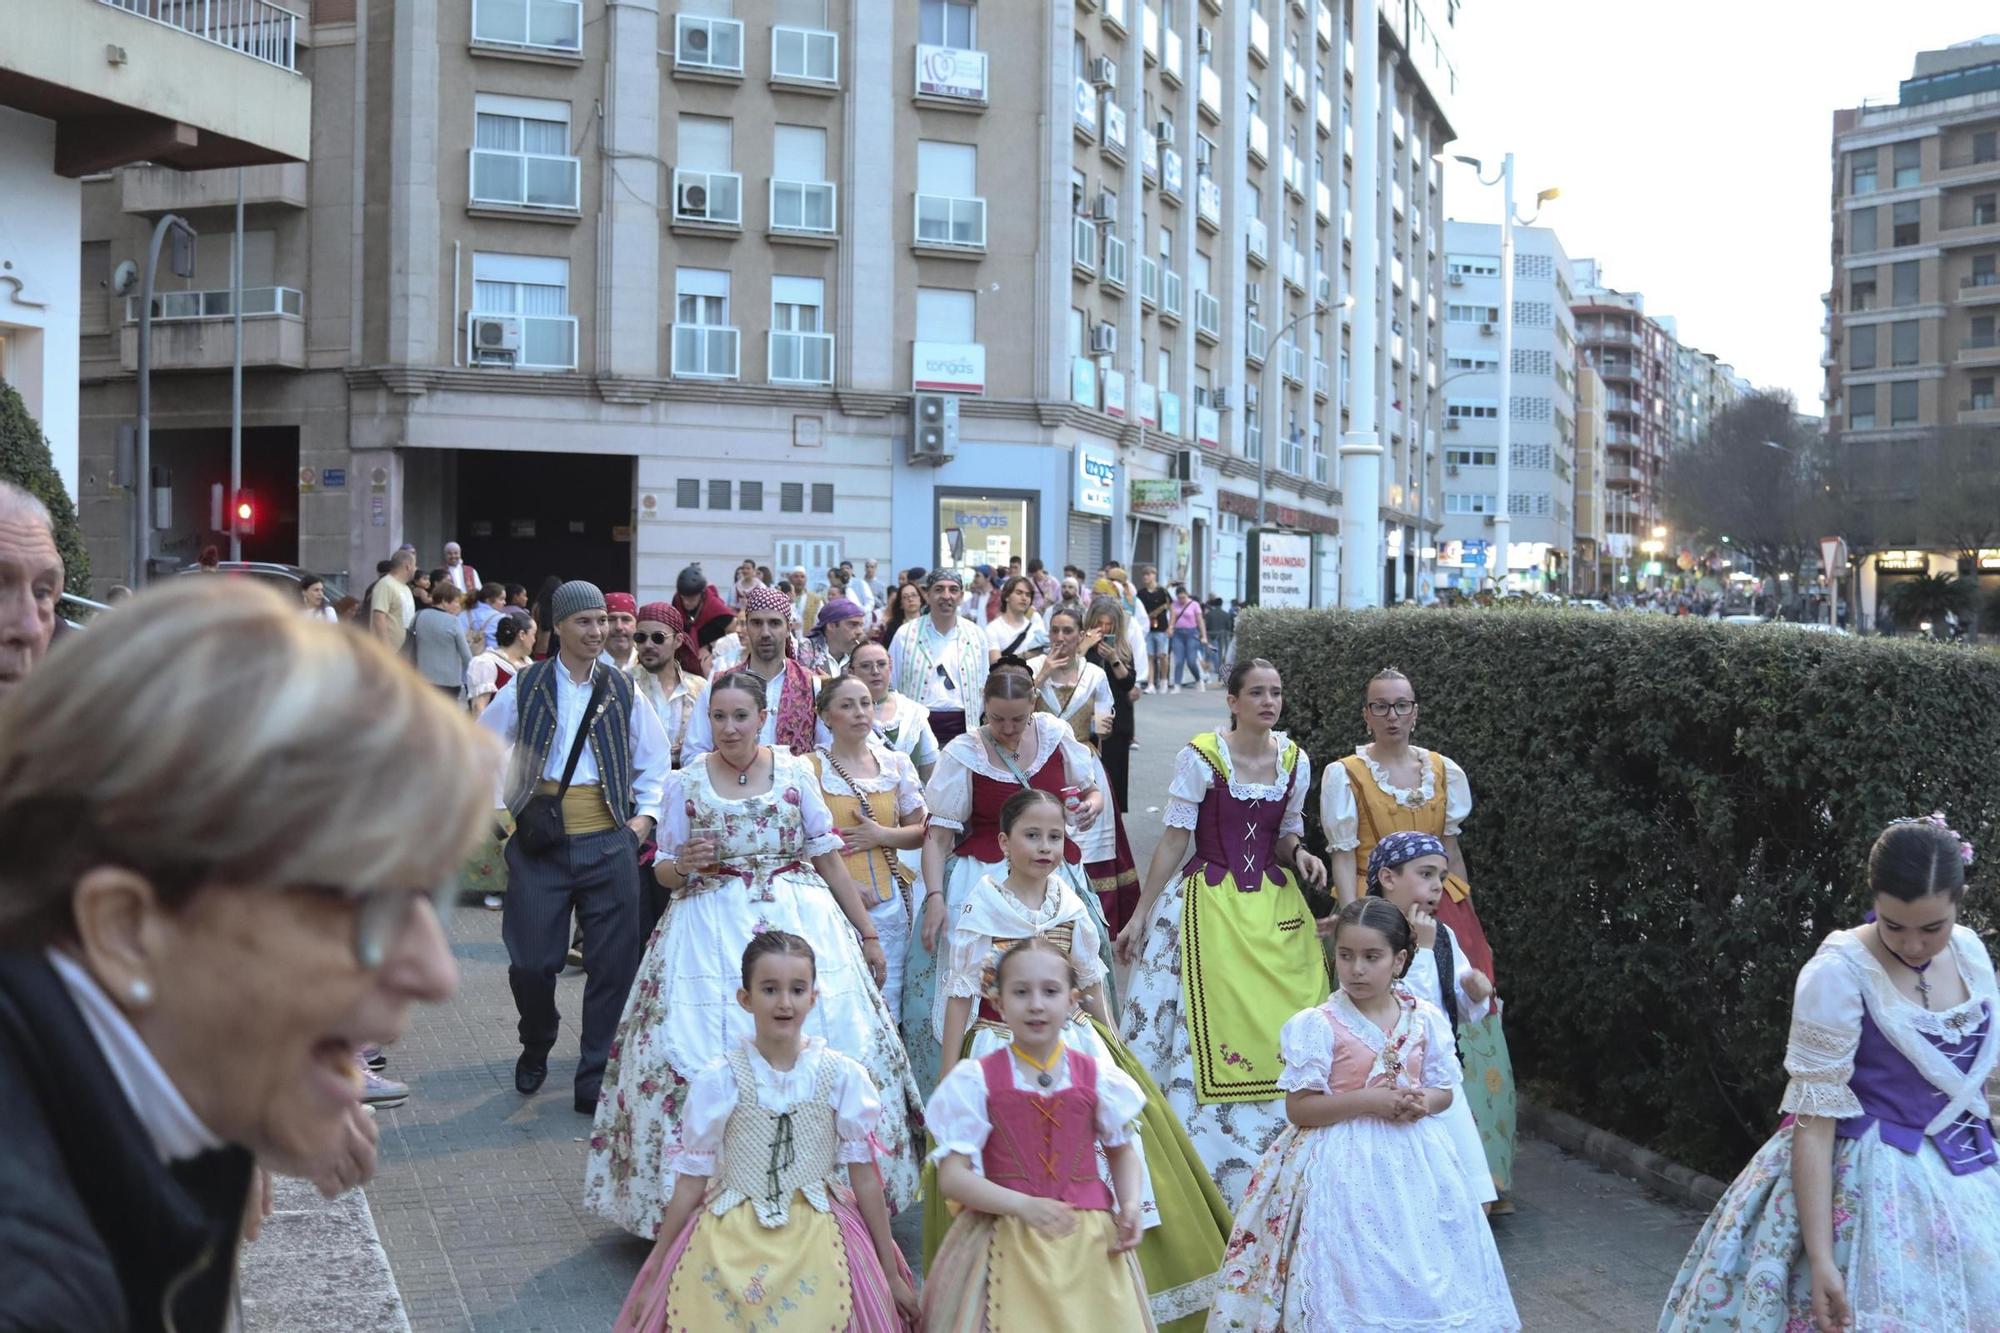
[746,845]
[1078,691]
[1876,1205]
[777,1219]
[1358,1219]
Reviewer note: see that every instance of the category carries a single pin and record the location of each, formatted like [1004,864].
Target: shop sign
[333,478]
[1903,562]
[1096,474]
[1474,552]
[1114,393]
[1083,381]
[1149,404]
[1170,415]
[1155,495]
[1988,561]
[948,367]
[1452,553]
[1283,563]
[1207,427]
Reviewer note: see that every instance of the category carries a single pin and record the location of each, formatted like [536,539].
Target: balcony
[1114,14]
[1149,281]
[1083,110]
[1207,201]
[800,358]
[263,32]
[195,331]
[1208,93]
[951,77]
[1207,427]
[1256,240]
[551,26]
[1979,352]
[520,342]
[1207,317]
[1323,23]
[1170,296]
[706,352]
[1171,67]
[1322,377]
[803,208]
[1323,200]
[1256,342]
[805,58]
[708,200]
[1114,262]
[1083,245]
[527,182]
[1170,172]
[1621,474]
[1323,113]
[151,190]
[950,224]
[708,47]
[1113,118]
[1295,79]
[1258,139]
[1149,33]
[1292,265]
[1292,362]
[1979,289]
[1292,169]
[1981,230]
[1260,38]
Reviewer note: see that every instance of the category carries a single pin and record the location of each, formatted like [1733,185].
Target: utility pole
[183,263]
[236,376]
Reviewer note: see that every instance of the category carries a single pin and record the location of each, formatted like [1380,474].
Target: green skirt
[1489,1091]
[1182,1255]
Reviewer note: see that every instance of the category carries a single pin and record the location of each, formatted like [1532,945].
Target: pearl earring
[141,992]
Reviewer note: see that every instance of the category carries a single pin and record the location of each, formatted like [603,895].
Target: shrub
[1669,816]
[25,460]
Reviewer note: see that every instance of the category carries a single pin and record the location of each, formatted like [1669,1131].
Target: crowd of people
[862,933]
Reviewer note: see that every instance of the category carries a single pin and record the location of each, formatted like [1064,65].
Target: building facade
[1634,357]
[1542,474]
[599,290]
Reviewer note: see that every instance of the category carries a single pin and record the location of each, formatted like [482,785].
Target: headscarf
[835,611]
[942,573]
[621,603]
[767,600]
[665,613]
[1399,849]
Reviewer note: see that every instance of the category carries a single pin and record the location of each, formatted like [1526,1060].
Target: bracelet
[868,939]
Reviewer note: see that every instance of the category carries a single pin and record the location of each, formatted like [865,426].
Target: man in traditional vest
[790,717]
[940,659]
[610,809]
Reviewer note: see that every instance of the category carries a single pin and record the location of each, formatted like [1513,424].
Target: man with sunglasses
[940,660]
[675,695]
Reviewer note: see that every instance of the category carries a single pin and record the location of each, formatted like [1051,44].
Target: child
[1182,1213]
[1408,869]
[1358,1217]
[1038,1245]
[777,1211]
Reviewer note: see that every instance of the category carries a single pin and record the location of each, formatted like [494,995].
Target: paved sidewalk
[479,1197]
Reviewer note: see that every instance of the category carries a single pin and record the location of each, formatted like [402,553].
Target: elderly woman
[210,898]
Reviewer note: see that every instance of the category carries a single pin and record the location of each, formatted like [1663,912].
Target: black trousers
[596,876]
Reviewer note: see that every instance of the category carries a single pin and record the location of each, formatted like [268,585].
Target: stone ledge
[1663,1175]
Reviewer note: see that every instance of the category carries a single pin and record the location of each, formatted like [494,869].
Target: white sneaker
[1200,688]
[1173,689]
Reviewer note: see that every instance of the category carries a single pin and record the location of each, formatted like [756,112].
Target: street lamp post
[1263,396]
[1503,518]
[183,262]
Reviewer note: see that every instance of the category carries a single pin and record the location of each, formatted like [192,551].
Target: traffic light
[246,513]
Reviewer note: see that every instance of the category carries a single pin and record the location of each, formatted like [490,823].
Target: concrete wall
[40,248]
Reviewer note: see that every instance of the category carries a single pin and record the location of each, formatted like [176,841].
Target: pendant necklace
[1044,1070]
[1923,982]
[743,773]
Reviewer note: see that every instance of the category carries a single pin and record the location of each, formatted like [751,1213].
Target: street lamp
[1263,395]
[182,256]
[1503,519]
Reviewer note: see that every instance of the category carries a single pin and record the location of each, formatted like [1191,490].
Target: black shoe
[529,1072]
[586,1104]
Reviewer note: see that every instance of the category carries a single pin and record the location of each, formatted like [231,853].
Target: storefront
[1093,497]
[1159,523]
[988,527]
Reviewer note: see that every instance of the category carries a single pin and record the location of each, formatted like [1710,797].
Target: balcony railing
[951,74]
[1114,262]
[1208,200]
[1083,243]
[1294,268]
[1149,31]
[1258,139]
[258,302]
[547,342]
[1207,316]
[707,351]
[1209,92]
[254,28]
[1292,362]
[712,198]
[1083,108]
[803,206]
[1171,68]
[1257,239]
[805,55]
[1170,295]
[1323,23]
[526,180]
[1113,117]
[545,25]
[708,45]
[1293,168]
[1260,37]
[1149,280]
[1323,201]
[951,221]
[800,358]
[1321,379]
[1256,342]
[1114,13]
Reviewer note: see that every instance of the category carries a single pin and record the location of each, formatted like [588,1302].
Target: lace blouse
[949,792]
[1341,819]
[897,775]
[1307,1044]
[791,781]
[994,913]
[712,1097]
[1193,777]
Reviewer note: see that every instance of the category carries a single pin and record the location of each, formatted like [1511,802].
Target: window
[1903,343]
[1861,407]
[822,497]
[1908,222]
[1909,158]
[1903,403]
[1985,210]
[555,25]
[1861,231]
[947,23]
[1861,347]
[1473,266]
[750,495]
[792,497]
[687,493]
[701,296]
[1980,332]
[1861,169]
[800,352]
[520,153]
[949,210]
[706,346]
[1472,360]
[1472,410]
[706,188]
[1903,282]
[1472,314]
[718,494]
[1983,274]
[944,316]
[1986,146]
[1471,457]
[1861,290]
[801,195]
[1982,394]
[1465,502]
[535,291]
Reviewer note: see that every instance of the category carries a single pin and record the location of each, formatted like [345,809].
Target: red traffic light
[246,513]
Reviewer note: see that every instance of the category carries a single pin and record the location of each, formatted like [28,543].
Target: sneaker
[1200,688]
[1173,689]
[493,902]
[372,1057]
[575,956]
[384,1094]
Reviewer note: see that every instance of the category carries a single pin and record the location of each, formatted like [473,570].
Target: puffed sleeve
[1305,1044]
[925,751]
[1441,1069]
[1457,797]
[1188,789]
[1469,1011]
[1339,819]
[1826,1028]
[1294,819]
[956,1114]
[1084,958]
[816,818]
[673,815]
[965,968]
[1079,766]
[1422,975]
[909,795]
[710,1100]
[1119,1102]
[948,795]
[857,1109]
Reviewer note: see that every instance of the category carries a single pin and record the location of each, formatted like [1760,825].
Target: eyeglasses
[1401,707]
[385,915]
[655,636]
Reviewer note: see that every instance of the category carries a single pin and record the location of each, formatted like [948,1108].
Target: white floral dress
[682,1014]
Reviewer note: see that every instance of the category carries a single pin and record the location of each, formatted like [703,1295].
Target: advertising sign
[948,368]
[1083,381]
[1170,415]
[1090,487]
[1149,403]
[1153,495]
[944,72]
[1114,393]
[1208,427]
[1282,568]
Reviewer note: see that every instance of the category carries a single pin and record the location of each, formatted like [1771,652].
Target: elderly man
[459,574]
[940,660]
[842,624]
[805,602]
[31,583]
[623,610]
[586,768]
[790,716]
[392,608]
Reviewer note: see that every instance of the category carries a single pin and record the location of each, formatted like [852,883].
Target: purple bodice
[1238,836]
[1898,1101]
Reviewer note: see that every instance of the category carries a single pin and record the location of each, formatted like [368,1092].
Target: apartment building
[1911,344]
[1587,572]
[1540,496]
[1634,356]
[601,291]
[88,85]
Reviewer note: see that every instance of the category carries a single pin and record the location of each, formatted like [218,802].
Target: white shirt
[646,738]
[712,1098]
[958,1121]
[943,690]
[701,732]
[462,575]
[677,708]
[862,592]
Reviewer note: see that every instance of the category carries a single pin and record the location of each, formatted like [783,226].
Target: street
[478,1199]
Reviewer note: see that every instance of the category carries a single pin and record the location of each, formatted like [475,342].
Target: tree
[25,460]
[1756,481]
[1927,597]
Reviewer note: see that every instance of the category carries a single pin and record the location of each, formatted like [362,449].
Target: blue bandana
[1399,849]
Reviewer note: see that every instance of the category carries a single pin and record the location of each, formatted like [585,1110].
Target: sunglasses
[653,636]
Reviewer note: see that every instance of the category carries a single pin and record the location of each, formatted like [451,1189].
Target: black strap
[1009,649]
[599,697]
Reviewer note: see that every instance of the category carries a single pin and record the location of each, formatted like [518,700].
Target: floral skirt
[1488,1092]
[1918,1247]
[999,1275]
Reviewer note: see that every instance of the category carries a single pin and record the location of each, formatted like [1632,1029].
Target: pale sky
[1692,146]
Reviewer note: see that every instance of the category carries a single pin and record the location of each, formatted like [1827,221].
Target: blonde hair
[214,735]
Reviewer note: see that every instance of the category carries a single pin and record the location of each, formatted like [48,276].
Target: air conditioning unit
[1253,294]
[1104,72]
[1103,339]
[1185,467]
[1456,279]
[495,338]
[1219,399]
[1104,208]
[1489,521]
[1451,423]
[1164,132]
[1486,329]
[693,199]
[694,40]
[1450,469]
[933,428]
[1204,40]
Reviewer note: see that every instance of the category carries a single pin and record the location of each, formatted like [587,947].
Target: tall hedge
[26,461]
[1669,816]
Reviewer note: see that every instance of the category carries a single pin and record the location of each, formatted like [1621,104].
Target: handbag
[539,825]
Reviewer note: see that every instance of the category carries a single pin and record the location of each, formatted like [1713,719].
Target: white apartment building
[1540,495]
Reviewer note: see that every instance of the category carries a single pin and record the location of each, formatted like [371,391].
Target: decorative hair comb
[1936,818]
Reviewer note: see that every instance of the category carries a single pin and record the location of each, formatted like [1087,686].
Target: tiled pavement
[478,1200]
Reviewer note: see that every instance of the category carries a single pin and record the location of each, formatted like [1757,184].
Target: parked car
[287,579]
[1589,604]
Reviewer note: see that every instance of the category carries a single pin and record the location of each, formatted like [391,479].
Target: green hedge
[1669,816]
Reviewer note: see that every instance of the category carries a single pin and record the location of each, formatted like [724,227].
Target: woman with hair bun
[1876,1205]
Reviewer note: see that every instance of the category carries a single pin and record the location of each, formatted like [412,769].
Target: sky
[1692,143]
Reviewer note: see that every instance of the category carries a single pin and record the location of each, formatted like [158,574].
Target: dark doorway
[522,516]
[193,462]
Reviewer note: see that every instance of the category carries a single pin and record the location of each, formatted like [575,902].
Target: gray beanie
[575,596]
